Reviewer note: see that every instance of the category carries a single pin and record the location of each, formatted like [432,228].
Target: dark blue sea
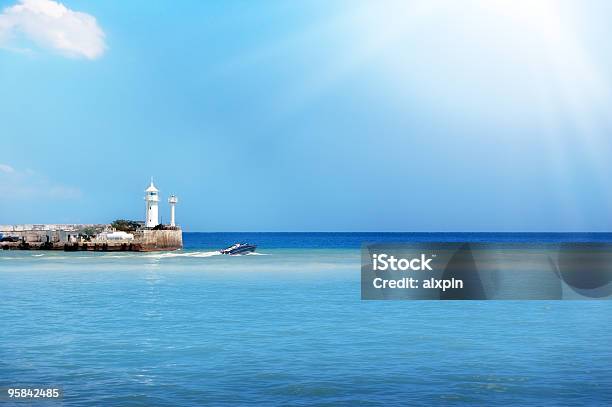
[286,326]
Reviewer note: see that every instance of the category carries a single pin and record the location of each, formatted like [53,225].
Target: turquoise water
[285,327]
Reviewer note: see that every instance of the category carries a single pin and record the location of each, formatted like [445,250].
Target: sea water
[285,326]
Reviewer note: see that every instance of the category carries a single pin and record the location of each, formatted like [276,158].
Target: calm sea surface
[286,327]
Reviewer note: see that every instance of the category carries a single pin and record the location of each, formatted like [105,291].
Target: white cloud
[28,185]
[52,25]
[7,169]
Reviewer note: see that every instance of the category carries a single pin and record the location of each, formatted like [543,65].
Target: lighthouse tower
[172,201]
[152,200]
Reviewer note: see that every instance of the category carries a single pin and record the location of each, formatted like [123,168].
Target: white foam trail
[127,255]
[188,254]
[203,254]
[198,254]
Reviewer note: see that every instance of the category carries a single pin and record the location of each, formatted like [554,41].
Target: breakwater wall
[154,240]
[70,238]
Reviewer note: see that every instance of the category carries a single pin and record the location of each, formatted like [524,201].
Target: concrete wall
[52,233]
[151,240]
[34,236]
[48,227]
[144,240]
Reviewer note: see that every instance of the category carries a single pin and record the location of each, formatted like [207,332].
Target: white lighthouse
[172,201]
[152,200]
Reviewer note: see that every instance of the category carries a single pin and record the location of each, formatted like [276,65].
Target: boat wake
[199,254]
[130,255]
[184,254]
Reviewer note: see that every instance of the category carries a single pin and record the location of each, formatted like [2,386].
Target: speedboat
[239,248]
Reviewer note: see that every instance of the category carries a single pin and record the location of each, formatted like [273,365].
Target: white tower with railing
[172,201]
[152,200]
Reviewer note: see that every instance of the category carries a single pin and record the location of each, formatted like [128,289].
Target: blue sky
[309,116]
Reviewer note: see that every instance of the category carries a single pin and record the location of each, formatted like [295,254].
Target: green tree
[88,232]
[125,225]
